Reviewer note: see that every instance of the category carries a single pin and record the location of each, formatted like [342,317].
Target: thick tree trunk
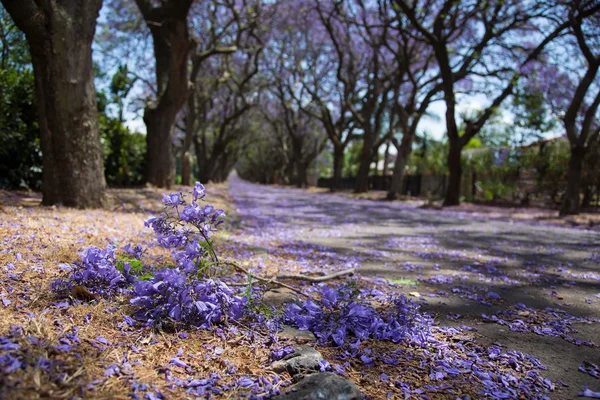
[338,166]
[160,164]
[172,47]
[455,172]
[50,185]
[571,199]
[362,177]
[60,39]
[203,170]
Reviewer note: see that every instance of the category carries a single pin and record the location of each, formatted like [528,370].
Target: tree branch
[323,278]
[27,15]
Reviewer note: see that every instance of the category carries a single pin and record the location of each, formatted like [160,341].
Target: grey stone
[289,332]
[322,386]
[303,360]
[279,297]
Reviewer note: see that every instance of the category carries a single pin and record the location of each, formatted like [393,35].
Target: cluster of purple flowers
[171,296]
[98,272]
[177,295]
[172,228]
[182,227]
[341,316]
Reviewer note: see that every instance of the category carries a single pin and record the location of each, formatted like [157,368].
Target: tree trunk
[362,176]
[301,175]
[338,166]
[587,197]
[571,201]
[201,158]
[172,47]
[299,171]
[186,168]
[160,160]
[400,166]
[386,156]
[455,172]
[60,39]
[186,154]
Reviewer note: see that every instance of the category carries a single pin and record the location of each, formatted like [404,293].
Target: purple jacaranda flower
[154,396]
[199,191]
[9,363]
[141,387]
[112,370]
[63,347]
[324,366]
[329,297]
[136,251]
[173,200]
[102,340]
[590,368]
[246,383]
[193,214]
[177,362]
[493,296]
[366,359]
[62,287]
[278,354]
[588,393]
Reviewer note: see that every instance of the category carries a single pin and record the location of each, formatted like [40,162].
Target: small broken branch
[260,278]
[350,272]
[275,280]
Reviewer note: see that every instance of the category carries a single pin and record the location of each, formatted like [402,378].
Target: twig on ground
[350,271]
[262,279]
[275,279]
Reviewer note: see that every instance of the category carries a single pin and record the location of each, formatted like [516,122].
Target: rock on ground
[304,359]
[322,386]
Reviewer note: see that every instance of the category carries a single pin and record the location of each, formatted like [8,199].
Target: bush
[20,153]
[124,153]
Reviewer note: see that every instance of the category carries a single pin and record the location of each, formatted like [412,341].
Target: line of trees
[265,87]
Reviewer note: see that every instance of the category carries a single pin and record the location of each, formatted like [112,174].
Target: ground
[529,287]
[587,219]
[451,260]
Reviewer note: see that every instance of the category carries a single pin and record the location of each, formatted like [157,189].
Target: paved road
[452,260]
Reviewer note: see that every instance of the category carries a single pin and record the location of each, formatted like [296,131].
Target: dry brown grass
[35,240]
